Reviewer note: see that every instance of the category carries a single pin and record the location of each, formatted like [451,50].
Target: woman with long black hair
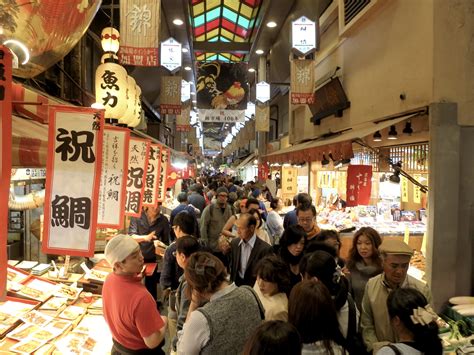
[290,250]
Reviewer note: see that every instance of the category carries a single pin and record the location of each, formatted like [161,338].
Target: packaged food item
[36,318]
[26,346]
[23,332]
[72,312]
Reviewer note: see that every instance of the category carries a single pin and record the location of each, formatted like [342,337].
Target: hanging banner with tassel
[262,118]
[302,81]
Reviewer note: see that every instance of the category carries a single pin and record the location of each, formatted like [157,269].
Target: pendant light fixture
[408,130]
[392,134]
[377,137]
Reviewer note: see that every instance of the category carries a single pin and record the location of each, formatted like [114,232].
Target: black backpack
[355,343]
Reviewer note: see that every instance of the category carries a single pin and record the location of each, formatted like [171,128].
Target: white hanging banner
[171,54]
[303,35]
[72,180]
[113,179]
[263,92]
[152,176]
[185,90]
[165,156]
[221,115]
[136,177]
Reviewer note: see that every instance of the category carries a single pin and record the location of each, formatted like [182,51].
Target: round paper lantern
[109,40]
[138,107]
[129,115]
[111,89]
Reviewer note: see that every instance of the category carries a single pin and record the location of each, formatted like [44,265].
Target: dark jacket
[290,219]
[197,201]
[260,250]
[140,226]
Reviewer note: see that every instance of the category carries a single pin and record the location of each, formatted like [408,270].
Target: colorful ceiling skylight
[223,21]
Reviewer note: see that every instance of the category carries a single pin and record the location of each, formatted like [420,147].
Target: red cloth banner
[359,185]
[6,156]
[165,157]
[174,174]
[263,171]
[136,178]
[72,180]
[113,179]
[139,32]
[152,176]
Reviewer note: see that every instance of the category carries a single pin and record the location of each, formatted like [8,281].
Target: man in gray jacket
[213,219]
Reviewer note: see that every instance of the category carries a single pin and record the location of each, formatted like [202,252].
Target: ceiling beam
[221,47]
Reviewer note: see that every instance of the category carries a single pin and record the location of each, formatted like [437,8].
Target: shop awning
[244,162]
[339,146]
[29,143]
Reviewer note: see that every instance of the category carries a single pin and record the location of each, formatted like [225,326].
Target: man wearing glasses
[306,216]
[213,219]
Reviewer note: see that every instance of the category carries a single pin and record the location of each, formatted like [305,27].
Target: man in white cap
[129,309]
[375,321]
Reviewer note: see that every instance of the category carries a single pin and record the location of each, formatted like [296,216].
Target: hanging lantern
[138,107]
[110,40]
[128,116]
[111,89]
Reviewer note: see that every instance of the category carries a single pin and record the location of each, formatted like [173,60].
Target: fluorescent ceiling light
[259,51]
[178,22]
[271,24]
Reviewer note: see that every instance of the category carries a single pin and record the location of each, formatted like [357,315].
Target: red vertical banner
[72,180]
[152,176]
[113,179]
[6,157]
[165,156]
[359,185]
[263,171]
[137,163]
[174,174]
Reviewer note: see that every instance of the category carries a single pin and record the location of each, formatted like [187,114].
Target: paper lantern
[129,116]
[138,107]
[111,89]
[109,39]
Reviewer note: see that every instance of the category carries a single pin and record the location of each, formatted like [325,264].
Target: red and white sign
[5,156]
[139,32]
[72,180]
[359,185]
[113,179]
[165,157]
[136,177]
[152,176]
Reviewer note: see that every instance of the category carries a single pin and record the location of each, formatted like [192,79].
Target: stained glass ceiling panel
[223,21]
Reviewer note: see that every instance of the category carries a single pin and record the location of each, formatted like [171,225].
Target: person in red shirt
[129,309]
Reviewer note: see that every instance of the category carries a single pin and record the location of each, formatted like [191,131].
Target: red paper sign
[152,176]
[72,180]
[359,185]
[174,174]
[263,171]
[6,156]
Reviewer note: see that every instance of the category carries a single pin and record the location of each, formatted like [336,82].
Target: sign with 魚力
[113,179]
[171,54]
[136,177]
[303,36]
[152,176]
[72,180]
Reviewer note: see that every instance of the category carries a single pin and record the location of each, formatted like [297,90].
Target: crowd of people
[237,278]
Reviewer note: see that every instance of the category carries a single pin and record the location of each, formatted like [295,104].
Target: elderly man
[301,199]
[246,251]
[306,216]
[375,321]
[129,310]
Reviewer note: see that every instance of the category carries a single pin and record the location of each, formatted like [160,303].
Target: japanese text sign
[289,181]
[262,118]
[152,176]
[302,81]
[183,123]
[303,35]
[165,156]
[263,92]
[113,179]
[139,32]
[359,185]
[170,96]
[228,116]
[5,156]
[171,54]
[185,90]
[137,162]
[72,180]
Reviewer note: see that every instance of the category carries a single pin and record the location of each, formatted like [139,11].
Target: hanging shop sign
[359,185]
[111,89]
[185,90]
[174,174]
[183,120]
[171,54]
[150,195]
[416,190]
[330,99]
[136,177]
[6,156]
[404,188]
[222,116]
[165,157]
[263,92]
[71,199]
[262,118]
[140,29]
[113,179]
[302,81]
[304,36]
[222,86]
[170,97]
[289,181]
[263,171]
